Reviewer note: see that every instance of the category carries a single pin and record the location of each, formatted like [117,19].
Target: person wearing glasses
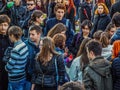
[25,21]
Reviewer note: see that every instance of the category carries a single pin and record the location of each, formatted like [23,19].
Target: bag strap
[56,67]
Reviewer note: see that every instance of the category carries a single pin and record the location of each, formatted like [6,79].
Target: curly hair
[106,11]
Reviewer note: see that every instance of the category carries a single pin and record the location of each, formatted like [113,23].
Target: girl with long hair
[49,67]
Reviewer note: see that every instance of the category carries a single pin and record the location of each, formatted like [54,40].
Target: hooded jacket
[96,73]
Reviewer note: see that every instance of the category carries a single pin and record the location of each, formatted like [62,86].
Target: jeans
[16,85]
[28,85]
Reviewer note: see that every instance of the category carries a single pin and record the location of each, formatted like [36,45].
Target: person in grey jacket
[97,75]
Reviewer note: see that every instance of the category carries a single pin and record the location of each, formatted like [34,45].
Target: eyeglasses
[28,4]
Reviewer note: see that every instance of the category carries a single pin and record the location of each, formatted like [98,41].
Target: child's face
[3,28]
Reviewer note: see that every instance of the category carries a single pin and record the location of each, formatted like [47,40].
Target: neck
[37,42]
[36,23]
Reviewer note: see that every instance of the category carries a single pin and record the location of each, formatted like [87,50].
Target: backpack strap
[67,23]
[56,69]
[77,38]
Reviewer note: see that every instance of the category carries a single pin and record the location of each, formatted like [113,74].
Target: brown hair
[72,86]
[15,31]
[47,49]
[58,28]
[59,6]
[106,11]
[104,39]
[59,40]
[35,14]
[4,18]
[83,53]
[97,35]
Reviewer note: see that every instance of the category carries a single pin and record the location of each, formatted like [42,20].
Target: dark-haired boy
[97,75]
[33,43]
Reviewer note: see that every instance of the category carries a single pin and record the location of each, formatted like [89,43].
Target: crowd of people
[59,44]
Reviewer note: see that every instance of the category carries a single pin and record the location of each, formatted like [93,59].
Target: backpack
[107,79]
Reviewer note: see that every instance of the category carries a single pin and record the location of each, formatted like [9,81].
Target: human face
[34,36]
[3,28]
[39,3]
[17,2]
[100,9]
[41,19]
[112,31]
[59,14]
[66,2]
[85,30]
[30,5]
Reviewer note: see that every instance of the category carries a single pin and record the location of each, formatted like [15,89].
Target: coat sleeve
[75,73]
[13,58]
[87,80]
[61,69]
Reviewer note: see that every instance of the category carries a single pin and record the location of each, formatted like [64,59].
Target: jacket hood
[100,65]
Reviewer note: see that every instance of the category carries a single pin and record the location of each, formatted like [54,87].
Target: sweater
[17,62]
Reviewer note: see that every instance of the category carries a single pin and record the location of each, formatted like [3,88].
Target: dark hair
[94,46]
[86,23]
[59,6]
[72,86]
[4,18]
[97,35]
[83,53]
[37,28]
[31,0]
[15,31]
[116,19]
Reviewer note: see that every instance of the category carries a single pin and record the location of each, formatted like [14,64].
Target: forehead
[4,23]
[30,2]
[60,10]
[33,31]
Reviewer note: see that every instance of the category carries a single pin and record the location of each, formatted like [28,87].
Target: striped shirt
[17,62]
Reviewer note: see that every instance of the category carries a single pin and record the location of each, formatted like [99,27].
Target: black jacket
[50,70]
[115,8]
[85,11]
[100,22]
[116,73]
